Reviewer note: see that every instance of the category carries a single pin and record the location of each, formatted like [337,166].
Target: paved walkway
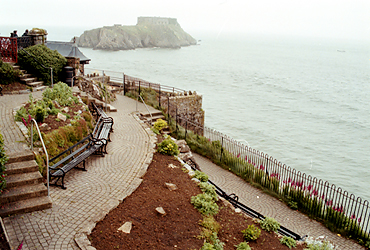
[269,206]
[89,195]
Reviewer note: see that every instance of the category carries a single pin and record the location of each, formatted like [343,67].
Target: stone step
[26,155]
[21,167]
[29,80]
[25,206]
[35,84]
[154,113]
[40,88]
[23,193]
[17,180]
[25,75]
[15,67]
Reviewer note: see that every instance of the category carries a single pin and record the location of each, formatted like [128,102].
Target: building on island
[157,20]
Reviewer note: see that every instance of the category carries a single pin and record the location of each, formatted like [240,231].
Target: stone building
[157,20]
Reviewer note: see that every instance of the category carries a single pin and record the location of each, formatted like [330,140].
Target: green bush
[207,246]
[159,125]
[318,245]
[168,147]
[7,73]
[211,224]
[208,189]
[251,233]
[205,204]
[60,93]
[49,58]
[270,224]
[200,176]
[243,246]
[288,241]
[3,160]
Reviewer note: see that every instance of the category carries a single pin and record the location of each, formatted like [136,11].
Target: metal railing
[150,113]
[46,152]
[334,206]
[8,49]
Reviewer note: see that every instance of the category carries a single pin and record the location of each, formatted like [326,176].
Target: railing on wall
[8,49]
[321,200]
[337,208]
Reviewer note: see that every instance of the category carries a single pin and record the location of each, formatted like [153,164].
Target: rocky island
[149,32]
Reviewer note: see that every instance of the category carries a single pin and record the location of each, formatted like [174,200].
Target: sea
[302,100]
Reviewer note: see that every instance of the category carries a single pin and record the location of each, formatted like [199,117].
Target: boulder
[171,186]
[126,227]
[62,117]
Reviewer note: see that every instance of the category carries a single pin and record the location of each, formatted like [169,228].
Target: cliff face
[139,36]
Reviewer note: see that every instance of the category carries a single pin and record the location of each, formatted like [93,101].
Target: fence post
[222,147]
[186,128]
[124,86]
[139,87]
[176,120]
[168,110]
[159,97]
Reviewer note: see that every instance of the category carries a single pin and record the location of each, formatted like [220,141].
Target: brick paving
[89,195]
[269,206]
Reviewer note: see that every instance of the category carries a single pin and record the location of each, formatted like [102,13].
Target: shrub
[7,73]
[3,160]
[207,246]
[200,176]
[243,246]
[270,224]
[159,125]
[288,241]
[205,204]
[210,223]
[251,233]
[168,147]
[60,93]
[49,58]
[208,189]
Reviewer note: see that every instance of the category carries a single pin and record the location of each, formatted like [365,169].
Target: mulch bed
[179,228]
[15,86]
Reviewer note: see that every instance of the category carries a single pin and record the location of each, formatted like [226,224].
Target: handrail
[42,65]
[151,117]
[46,152]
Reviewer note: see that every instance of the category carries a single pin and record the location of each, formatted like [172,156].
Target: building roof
[68,49]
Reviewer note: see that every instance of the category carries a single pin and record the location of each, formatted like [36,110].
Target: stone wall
[188,107]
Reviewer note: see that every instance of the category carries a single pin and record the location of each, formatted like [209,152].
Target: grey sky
[318,18]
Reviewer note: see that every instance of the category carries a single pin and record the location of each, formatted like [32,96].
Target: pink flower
[329,203]
[262,167]
[246,158]
[238,155]
[24,122]
[353,217]
[359,220]
[29,118]
[20,246]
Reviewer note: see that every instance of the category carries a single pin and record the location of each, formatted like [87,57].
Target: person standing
[25,33]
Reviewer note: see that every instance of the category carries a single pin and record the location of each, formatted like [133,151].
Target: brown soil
[179,228]
[52,121]
[15,86]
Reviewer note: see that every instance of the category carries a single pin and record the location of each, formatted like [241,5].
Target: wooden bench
[95,143]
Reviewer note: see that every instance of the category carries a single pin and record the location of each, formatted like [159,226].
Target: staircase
[25,191]
[155,116]
[30,80]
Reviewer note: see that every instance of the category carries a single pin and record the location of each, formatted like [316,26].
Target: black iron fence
[336,208]
[339,210]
